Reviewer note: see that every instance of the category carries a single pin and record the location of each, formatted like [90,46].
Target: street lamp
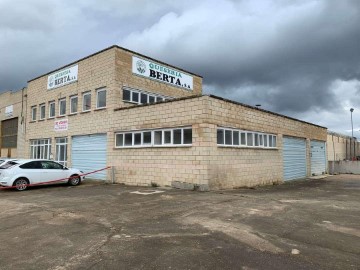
[352,127]
[352,132]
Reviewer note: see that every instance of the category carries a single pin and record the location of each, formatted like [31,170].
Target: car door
[33,171]
[53,171]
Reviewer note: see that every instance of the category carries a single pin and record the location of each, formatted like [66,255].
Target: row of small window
[86,105]
[234,137]
[41,149]
[140,97]
[153,138]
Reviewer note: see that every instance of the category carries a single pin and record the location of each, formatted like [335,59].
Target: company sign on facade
[61,125]
[155,71]
[62,77]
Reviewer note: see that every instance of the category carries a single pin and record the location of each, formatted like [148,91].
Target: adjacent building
[341,147]
[150,122]
[12,123]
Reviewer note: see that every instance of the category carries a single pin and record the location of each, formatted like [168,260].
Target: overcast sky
[300,58]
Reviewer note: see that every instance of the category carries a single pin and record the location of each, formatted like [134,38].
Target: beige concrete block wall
[205,162]
[94,73]
[162,165]
[18,99]
[232,167]
[125,77]
[237,116]
[110,69]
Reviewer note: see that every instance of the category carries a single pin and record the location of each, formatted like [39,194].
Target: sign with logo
[155,71]
[61,125]
[9,111]
[62,77]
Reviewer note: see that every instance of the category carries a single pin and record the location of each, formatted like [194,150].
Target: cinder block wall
[162,165]
[205,162]
[95,72]
[110,69]
[232,167]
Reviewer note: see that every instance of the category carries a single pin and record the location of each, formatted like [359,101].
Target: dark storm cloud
[298,57]
[38,36]
[288,54]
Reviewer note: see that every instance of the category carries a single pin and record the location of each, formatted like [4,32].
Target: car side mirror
[64,168]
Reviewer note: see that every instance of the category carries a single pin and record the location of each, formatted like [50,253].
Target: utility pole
[352,133]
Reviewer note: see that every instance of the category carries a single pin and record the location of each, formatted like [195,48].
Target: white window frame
[77,105]
[148,94]
[63,100]
[83,103]
[260,135]
[40,148]
[33,113]
[42,109]
[52,103]
[171,137]
[238,136]
[152,144]
[97,98]
[58,148]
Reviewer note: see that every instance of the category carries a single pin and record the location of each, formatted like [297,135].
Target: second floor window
[101,98]
[142,97]
[86,102]
[33,113]
[42,111]
[62,107]
[74,104]
[51,109]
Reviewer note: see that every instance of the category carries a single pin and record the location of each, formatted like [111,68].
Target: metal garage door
[88,153]
[318,158]
[294,153]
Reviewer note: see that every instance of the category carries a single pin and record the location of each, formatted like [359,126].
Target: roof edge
[157,103]
[223,99]
[109,48]
[256,108]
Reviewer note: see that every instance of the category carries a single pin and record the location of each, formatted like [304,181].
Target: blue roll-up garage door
[318,158]
[88,153]
[294,157]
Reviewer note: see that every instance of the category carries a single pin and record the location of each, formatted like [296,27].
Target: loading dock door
[318,158]
[294,157]
[88,153]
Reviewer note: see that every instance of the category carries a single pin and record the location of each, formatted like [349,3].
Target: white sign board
[155,71]
[9,110]
[61,125]
[62,77]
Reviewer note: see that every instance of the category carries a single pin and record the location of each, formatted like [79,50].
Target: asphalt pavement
[311,224]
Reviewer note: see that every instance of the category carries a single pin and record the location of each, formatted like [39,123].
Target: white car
[21,173]
[4,160]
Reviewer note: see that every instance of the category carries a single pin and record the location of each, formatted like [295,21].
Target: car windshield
[8,165]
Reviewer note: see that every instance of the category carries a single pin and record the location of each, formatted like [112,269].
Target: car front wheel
[21,184]
[74,180]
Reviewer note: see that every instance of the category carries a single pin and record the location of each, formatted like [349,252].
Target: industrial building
[150,121]
[342,147]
